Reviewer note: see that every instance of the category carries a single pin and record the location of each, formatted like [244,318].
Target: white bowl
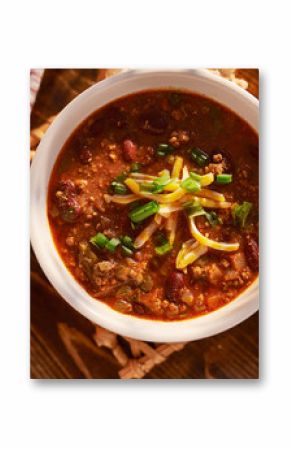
[198,81]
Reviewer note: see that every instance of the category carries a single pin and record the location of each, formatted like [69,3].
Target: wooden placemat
[63,342]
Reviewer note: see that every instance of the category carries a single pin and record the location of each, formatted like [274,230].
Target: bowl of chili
[144,204]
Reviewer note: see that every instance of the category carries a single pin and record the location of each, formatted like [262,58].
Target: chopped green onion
[160,239]
[190,185]
[112,244]
[128,242]
[146,186]
[162,244]
[164,149]
[225,178]
[199,157]
[161,182]
[99,240]
[213,218]
[141,212]
[193,208]
[195,176]
[157,188]
[127,251]
[240,213]
[121,177]
[163,249]
[135,167]
[157,185]
[165,178]
[119,188]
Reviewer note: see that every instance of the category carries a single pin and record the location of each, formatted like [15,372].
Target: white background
[205,414]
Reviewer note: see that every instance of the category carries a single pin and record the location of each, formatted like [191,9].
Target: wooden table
[62,345]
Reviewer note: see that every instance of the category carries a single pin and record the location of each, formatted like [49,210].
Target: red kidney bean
[252,253]
[67,203]
[67,186]
[174,285]
[154,122]
[129,150]
[70,209]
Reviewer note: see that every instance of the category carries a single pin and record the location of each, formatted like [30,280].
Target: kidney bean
[85,155]
[67,186]
[129,150]
[174,285]
[252,253]
[67,203]
[70,209]
[154,122]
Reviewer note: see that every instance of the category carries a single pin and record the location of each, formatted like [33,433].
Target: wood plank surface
[62,341]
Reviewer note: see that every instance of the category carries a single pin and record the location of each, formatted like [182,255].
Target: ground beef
[178,138]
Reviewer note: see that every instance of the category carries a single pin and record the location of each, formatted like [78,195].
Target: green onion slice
[195,176]
[193,208]
[128,242]
[201,158]
[161,182]
[164,149]
[121,177]
[160,239]
[140,213]
[147,186]
[157,185]
[163,249]
[126,251]
[112,244]
[190,185]
[99,240]
[213,218]
[162,245]
[240,213]
[225,178]
[119,188]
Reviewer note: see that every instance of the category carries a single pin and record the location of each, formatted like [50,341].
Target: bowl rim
[54,268]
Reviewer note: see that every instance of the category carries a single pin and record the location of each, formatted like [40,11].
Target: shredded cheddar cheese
[172,197]
[203,240]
